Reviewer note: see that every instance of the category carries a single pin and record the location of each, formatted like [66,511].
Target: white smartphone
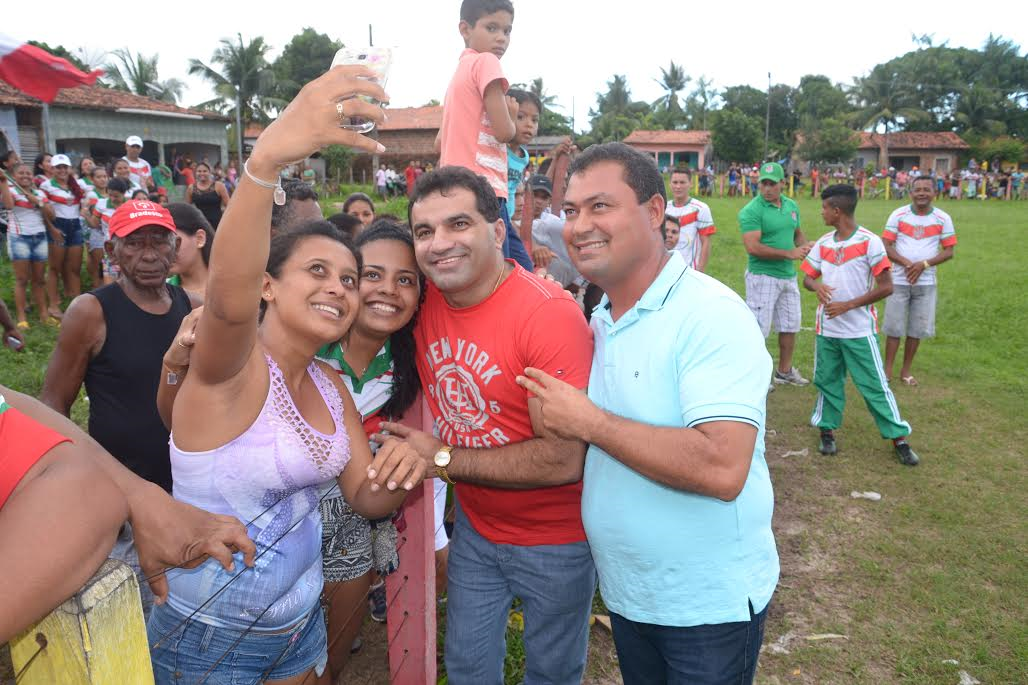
[378,60]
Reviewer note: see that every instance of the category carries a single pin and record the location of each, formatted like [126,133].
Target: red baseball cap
[135,214]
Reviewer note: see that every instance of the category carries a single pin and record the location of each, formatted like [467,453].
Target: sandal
[909,380]
[54,322]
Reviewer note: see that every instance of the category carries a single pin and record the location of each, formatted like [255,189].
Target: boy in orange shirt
[478,117]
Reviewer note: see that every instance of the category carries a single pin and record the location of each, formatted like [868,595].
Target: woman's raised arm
[227,331]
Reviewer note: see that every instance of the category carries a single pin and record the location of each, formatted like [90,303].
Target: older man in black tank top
[113,340]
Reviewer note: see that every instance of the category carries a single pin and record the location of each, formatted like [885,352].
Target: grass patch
[935,570]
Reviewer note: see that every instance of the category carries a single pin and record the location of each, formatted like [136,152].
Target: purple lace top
[271,475]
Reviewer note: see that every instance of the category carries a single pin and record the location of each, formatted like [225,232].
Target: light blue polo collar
[655,297]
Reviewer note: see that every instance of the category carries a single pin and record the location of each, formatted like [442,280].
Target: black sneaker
[827,445]
[906,455]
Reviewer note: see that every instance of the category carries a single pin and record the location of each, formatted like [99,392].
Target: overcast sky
[575,46]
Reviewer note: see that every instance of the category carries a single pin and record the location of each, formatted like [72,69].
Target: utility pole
[767,118]
[239,123]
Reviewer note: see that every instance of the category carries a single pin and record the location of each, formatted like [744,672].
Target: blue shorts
[71,229]
[188,651]
[31,248]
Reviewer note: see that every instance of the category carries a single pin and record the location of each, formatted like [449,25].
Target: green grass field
[933,572]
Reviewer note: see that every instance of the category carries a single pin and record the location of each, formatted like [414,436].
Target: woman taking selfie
[259,428]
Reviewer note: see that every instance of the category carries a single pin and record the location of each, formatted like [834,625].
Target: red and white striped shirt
[919,237]
[139,171]
[849,267]
[25,218]
[66,206]
[695,220]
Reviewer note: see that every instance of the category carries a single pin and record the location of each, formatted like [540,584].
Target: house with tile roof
[939,150]
[95,121]
[674,148]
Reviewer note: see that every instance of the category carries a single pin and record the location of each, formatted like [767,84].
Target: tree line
[981,94]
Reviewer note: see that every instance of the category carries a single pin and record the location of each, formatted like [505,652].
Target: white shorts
[775,302]
[441,540]
[910,311]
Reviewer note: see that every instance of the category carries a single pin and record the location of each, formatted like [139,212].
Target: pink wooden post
[411,618]
[721,185]
[862,188]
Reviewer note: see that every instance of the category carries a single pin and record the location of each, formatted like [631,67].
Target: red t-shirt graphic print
[468,360]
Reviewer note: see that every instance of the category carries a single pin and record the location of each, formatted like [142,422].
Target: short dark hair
[926,179]
[295,191]
[450,177]
[473,10]
[189,220]
[640,171]
[663,224]
[345,223]
[842,196]
[401,343]
[118,185]
[283,245]
[682,170]
[523,96]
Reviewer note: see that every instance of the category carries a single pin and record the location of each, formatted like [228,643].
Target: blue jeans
[555,583]
[29,248]
[513,246]
[187,652]
[721,654]
[71,229]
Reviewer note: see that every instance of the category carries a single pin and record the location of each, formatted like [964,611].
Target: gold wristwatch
[442,460]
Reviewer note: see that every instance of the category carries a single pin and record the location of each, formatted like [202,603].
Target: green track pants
[833,357]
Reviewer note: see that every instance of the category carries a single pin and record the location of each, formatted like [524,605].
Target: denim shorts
[30,248]
[97,238]
[187,652]
[71,229]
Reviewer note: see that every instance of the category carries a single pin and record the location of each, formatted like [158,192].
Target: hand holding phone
[378,60]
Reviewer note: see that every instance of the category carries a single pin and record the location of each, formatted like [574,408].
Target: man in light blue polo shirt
[677,499]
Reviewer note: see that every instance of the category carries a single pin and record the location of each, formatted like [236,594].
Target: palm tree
[978,111]
[539,91]
[244,80]
[672,80]
[617,99]
[700,103]
[137,74]
[883,100]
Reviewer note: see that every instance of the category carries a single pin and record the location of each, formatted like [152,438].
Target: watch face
[442,458]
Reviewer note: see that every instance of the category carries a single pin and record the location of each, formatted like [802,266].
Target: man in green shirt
[770,225]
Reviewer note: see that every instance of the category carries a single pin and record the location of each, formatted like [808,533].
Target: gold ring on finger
[341,113]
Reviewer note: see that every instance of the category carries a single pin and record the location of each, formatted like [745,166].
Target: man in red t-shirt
[518,531]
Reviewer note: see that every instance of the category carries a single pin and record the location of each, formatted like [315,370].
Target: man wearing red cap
[113,340]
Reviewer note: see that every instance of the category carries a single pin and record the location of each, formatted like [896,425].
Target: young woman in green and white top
[196,237]
[376,361]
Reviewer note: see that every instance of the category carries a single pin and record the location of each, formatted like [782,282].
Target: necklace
[503,268]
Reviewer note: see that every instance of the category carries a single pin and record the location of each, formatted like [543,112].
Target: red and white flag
[36,72]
